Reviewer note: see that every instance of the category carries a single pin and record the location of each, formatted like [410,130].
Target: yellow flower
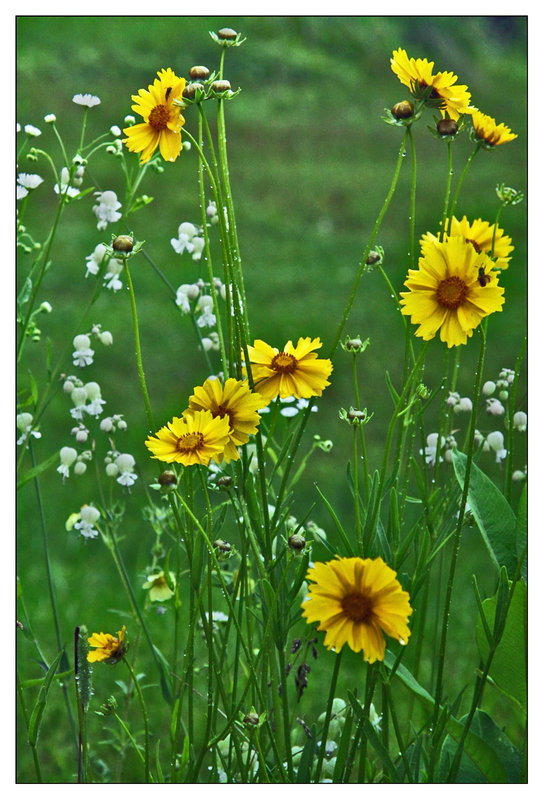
[159,591]
[487,130]
[110,648]
[293,371]
[162,118]
[453,289]
[195,439]
[233,401]
[357,600]
[417,74]
[480,235]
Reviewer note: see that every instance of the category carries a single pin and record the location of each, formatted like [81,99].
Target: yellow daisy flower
[110,648]
[417,74]
[480,235]
[195,439]
[487,130]
[295,371]
[162,118]
[453,289]
[234,401]
[159,591]
[357,600]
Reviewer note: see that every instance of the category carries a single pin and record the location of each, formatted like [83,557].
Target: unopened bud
[447,127]
[221,86]
[297,541]
[227,33]
[355,415]
[199,73]
[191,90]
[403,110]
[224,482]
[373,257]
[251,719]
[123,244]
[168,479]
[222,546]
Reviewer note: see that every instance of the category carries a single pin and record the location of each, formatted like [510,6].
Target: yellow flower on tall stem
[235,402]
[158,588]
[453,289]
[437,90]
[162,118]
[484,237]
[487,131]
[295,371]
[110,648]
[357,600]
[195,439]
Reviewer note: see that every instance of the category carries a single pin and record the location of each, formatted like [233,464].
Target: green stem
[144,714]
[328,714]
[137,345]
[368,247]
[462,179]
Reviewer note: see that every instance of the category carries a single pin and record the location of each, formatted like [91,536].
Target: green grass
[310,162]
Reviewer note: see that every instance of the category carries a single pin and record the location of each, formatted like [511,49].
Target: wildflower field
[271,433]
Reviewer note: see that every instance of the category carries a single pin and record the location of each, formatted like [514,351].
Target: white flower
[520,421]
[519,475]
[115,130]
[21,192]
[94,261]
[83,354]
[50,118]
[65,188]
[494,407]
[87,518]
[106,209]
[211,342]
[430,450]
[80,468]
[94,408]
[507,375]
[80,432]
[463,404]
[302,402]
[453,399]
[111,278]
[198,246]
[186,232]
[495,440]
[207,318]
[106,338]
[87,100]
[289,411]
[184,293]
[24,423]
[488,388]
[31,130]
[67,457]
[29,180]
[125,463]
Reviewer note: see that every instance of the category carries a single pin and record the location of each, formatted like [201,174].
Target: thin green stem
[328,714]
[144,714]
[462,179]
[137,346]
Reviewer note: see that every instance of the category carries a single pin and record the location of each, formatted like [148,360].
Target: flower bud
[224,482]
[222,546]
[519,475]
[199,73]
[488,388]
[123,244]
[227,33]
[447,127]
[520,421]
[296,541]
[191,89]
[221,86]
[168,479]
[403,110]
[251,719]
[373,257]
[80,468]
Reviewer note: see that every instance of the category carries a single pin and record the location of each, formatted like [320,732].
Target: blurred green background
[310,162]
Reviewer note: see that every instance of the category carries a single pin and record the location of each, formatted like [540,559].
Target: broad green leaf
[521,531]
[306,759]
[509,665]
[492,512]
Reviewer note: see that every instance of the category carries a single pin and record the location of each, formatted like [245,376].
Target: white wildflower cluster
[290,406]
[459,404]
[25,427]
[195,298]
[121,467]
[106,209]
[69,457]
[494,404]
[100,257]
[27,182]
[446,446]
[189,240]
[83,353]
[88,517]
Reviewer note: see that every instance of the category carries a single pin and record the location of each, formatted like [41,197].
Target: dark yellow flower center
[223,412]
[357,606]
[158,117]
[190,442]
[451,293]
[284,362]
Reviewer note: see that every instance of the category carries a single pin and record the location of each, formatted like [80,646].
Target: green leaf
[39,707]
[492,512]
[509,666]
[484,730]
[348,547]
[521,531]
[374,740]
[306,759]
[37,470]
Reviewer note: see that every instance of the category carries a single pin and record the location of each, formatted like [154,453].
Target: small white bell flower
[94,261]
[126,463]
[65,187]
[111,278]
[494,407]
[67,457]
[430,450]
[24,424]
[93,391]
[112,470]
[83,354]
[186,232]
[520,421]
[464,404]
[488,388]
[519,475]
[106,338]
[106,209]
[453,399]
[495,440]
[198,246]
[80,468]
[87,518]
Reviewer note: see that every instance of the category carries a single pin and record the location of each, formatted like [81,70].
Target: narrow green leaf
[492,512]
[348,547]
[306,759]
[39,707]
[37,470]
[374,740]
[521,531]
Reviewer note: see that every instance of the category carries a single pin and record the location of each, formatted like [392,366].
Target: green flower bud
[403,110]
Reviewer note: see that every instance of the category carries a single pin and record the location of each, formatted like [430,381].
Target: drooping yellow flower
[195,439]
[417,74]
[294,371]
[452,290]
[110,648]
[159,591]
[480,235]
[357,600]
[162,118]
[235,402]
[487,130]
